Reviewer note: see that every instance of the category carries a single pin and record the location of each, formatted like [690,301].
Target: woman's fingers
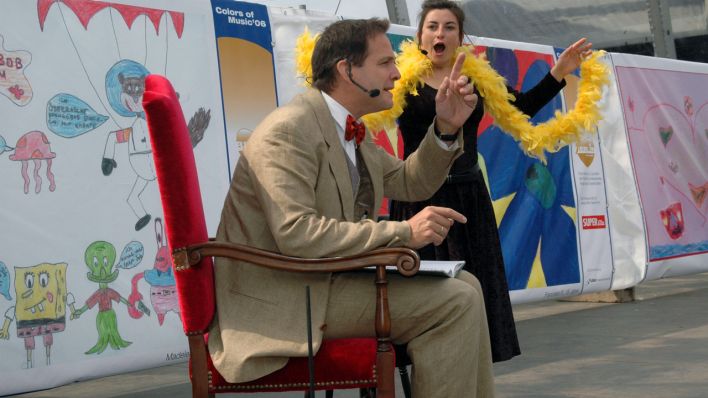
[457,67]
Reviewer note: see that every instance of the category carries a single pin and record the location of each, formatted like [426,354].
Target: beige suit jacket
[292,193]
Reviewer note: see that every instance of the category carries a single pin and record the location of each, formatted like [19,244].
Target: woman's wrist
[558,75]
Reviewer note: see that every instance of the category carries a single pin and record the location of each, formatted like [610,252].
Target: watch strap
[445,137]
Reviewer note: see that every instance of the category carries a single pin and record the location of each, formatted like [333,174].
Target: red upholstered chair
[344,363]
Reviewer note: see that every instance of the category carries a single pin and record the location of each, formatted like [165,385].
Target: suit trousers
[442,319]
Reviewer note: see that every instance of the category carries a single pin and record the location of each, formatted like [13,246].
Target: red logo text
[594,222]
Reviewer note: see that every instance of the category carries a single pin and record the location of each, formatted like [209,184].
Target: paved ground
[656,346]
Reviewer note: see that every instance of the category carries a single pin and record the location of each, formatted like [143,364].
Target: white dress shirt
[340,113]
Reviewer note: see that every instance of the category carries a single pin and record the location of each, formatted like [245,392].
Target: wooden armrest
[406,260]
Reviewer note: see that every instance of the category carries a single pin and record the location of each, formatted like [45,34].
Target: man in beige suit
[301,189]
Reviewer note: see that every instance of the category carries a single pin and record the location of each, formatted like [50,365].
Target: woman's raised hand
[570,58]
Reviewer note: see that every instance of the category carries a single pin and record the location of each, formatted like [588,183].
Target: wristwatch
[445,137]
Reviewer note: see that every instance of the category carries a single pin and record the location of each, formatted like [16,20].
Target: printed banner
[592,219]
[85,274]
[665,108]
[246,69]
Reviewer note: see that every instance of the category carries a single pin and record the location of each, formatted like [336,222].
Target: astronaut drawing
[125,85]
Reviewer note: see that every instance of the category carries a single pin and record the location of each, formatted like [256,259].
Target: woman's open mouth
[439,48]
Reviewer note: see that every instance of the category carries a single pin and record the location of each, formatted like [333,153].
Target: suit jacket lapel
[336,155]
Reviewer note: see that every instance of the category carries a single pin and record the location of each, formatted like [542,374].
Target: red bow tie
[354,130]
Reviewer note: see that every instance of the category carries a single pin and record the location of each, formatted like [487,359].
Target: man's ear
[342,67]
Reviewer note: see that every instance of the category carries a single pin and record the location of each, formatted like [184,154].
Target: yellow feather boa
[549,136]
[304,47]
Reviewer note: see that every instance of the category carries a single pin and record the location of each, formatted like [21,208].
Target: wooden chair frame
[405,260]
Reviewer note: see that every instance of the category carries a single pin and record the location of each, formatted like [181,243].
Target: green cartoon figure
[100,258]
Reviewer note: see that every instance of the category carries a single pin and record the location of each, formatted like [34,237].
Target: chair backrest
[181,199]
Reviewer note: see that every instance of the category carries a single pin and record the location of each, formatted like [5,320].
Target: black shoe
[144,220]
[107,166]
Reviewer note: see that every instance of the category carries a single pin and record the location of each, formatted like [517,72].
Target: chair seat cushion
[339,364]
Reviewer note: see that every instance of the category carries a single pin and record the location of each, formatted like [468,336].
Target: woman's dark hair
[347,39]
[430,5]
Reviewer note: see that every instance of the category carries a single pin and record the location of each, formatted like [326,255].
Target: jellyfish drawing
[34,146]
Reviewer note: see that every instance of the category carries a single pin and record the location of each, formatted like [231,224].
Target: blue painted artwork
[3,146]
[131,255]
[535,223]
[156,277]
[69,116]
[5,281]
[125,84]
[670,251]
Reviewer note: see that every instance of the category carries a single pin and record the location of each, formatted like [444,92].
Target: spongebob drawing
[40,309]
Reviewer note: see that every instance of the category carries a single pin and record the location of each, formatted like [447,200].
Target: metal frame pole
[660,26]
[398,12]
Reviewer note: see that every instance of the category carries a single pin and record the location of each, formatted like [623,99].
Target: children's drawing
[13,82]
[34,146]
[86,9]
[666,133]
[163,291]
[5,281]
[672,218]
[131,255]
[124,87]
[695,201]
[100,257]
[666,121]
[40,309]
[688,105]
[674,167]
[69,116]
[3,146]
[698,193]
[125,84]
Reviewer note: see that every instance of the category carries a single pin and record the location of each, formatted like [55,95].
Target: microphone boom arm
[372,93]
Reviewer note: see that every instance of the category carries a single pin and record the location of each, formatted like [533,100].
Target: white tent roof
[607,23]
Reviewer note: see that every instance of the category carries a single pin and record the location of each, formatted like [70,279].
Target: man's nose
[396,74]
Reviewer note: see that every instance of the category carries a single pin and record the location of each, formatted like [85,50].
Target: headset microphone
[372,93]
